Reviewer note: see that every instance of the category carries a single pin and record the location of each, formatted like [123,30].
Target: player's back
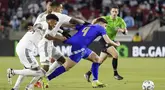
[85,35]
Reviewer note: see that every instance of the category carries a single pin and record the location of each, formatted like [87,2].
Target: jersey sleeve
[39,27]
[39,18]
[62,17]
[123,24]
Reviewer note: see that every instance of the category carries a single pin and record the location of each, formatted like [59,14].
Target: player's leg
[57,59]
[74,58]
[44,52]
[28,60]
[95,67]
[30,86]
[65,67]
[103,57]
[18,82]
[112,50]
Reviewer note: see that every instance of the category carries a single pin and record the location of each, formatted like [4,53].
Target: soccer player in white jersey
[24,51]
[35,34]
[46,48]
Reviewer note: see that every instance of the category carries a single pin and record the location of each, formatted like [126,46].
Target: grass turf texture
[134,70]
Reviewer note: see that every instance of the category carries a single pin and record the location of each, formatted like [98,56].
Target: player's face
[114,12]
[48,7]
[52,23]
[58,9]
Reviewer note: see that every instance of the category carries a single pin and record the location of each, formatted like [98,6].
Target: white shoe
[9,75]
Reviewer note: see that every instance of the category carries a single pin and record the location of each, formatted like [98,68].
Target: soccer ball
[148,85]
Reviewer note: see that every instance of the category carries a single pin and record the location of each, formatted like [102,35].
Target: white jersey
[41,18]
[62,19]
[46,47]
[31,39]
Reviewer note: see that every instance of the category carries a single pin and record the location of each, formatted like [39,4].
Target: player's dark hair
[114,6]
[100,20]
[55,4]
[52,16]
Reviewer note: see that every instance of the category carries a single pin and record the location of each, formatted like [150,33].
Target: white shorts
[48,51]
[26,57]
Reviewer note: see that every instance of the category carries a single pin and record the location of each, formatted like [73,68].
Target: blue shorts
[81,54]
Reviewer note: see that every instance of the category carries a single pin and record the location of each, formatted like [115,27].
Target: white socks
[53,67]
[29,72]
[19,81]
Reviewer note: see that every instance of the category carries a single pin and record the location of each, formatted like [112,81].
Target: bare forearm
[57,37]
[76,21]
[124,30]
[109,41]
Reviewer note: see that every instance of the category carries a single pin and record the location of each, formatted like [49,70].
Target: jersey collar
[111,18]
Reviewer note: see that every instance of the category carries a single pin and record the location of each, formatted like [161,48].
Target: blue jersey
[85,35]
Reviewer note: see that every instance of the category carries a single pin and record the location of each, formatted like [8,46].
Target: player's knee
[96,60]
[115,56]
[67,68]
[61,60]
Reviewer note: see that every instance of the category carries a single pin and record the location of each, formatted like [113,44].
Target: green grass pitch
[134,70]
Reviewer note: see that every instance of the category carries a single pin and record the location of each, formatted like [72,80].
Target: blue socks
[95,68]
[56,73]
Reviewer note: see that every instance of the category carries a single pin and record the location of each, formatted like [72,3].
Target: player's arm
[76,21]
[71,20]
[36,27]
[94,20]
[57,37]
[123,28]
[109,41]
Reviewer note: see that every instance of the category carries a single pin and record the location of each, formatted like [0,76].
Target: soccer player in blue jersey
[80,41]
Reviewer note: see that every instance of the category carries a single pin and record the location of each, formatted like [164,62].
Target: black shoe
[87,76]
[12,89]
[118,77]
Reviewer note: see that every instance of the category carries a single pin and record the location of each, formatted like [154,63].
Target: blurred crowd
[16,15]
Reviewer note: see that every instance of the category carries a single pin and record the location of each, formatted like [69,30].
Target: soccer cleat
[98,84]
[9,75]
[45,83]
[38,85]
[118,77]
[87,76]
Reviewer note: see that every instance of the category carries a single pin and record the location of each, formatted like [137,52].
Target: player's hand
[49,37]
[118,43]
[120,30]
[30,28]
[125,32]
[63,38]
